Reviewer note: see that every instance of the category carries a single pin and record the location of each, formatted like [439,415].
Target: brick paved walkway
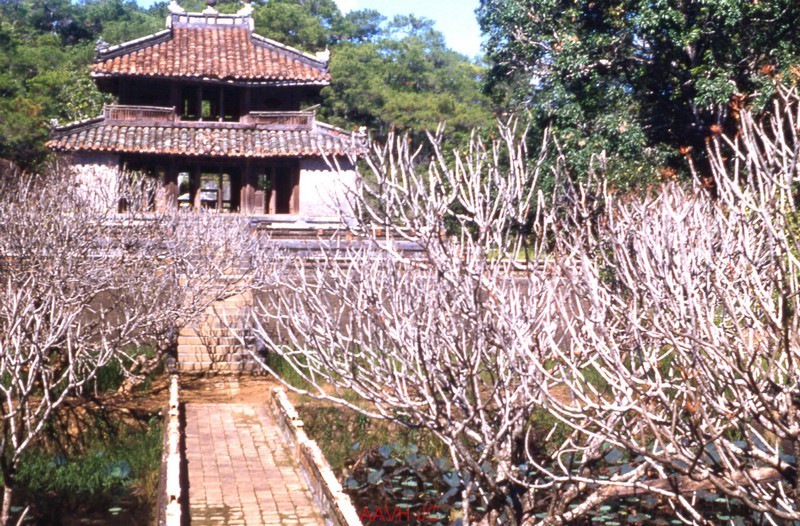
[240,472]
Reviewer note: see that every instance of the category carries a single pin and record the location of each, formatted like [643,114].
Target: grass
[282,368]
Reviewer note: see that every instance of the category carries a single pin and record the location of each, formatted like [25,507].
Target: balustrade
[118,112]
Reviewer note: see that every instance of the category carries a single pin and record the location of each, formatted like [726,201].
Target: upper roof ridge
[321,57]
[108,51]
[179,17]
[212,46]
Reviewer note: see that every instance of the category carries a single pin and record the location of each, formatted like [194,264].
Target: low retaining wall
[169,508]
[335,505]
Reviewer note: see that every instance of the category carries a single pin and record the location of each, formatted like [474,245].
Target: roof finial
[101,45]
[174,8]
[246,9]
[324,56]
[210,9]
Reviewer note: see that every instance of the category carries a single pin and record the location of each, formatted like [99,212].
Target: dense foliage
[645,81]
[405,77]
[396,73]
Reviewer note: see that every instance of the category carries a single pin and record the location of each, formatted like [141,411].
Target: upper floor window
[210,103]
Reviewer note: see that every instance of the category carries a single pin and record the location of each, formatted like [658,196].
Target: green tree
[639,79]
[396,74]
[305,24]
[401,75]
[45,50]
[359,26]
[122,20]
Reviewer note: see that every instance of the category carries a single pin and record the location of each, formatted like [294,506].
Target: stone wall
[170,491]
[334,503]
[324,187]
[97,177]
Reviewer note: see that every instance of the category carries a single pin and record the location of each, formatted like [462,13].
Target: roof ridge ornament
[323,56]
[211,9]
[246,10]
[174,8]
[101,45]
[210,16]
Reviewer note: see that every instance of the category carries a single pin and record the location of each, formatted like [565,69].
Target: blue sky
[454,18]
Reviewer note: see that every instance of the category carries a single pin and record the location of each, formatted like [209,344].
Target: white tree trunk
[5,515]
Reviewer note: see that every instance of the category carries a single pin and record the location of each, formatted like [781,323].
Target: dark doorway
[283,191]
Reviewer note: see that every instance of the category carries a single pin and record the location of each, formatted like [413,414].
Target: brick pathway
[240,472]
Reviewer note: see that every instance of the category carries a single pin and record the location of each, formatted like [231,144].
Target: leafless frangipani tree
[659,326]
[81,286]
[684,309]
[440,337]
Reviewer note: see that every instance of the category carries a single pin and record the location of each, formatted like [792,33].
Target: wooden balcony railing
[278,120]
[119,112]
[282,119]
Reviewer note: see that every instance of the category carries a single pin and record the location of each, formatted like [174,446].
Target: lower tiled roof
[98,135]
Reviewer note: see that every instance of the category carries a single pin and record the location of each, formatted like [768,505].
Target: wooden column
[271,196]
[294,202]
[175,100]
[167,193]
[247,203]
[195,194]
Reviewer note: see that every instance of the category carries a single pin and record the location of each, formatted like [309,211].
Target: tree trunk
[8,493]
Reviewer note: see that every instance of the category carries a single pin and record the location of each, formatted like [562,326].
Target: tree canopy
[45,50]
[404,77]
[642,80]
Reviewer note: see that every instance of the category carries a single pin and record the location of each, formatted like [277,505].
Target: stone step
[219,319]
[236,301]
[238,306]
[211,327]
[206,330]
[211,359]
[208,360]
[231,311]
[214,349]
[208,341]
[222,350]
[223,367]
[210,344]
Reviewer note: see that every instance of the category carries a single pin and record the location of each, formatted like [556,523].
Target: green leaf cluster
[646,81]
[45,50]
[405,78]
[115,463]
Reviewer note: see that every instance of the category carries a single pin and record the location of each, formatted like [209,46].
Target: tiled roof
[232,140]
[216,52]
